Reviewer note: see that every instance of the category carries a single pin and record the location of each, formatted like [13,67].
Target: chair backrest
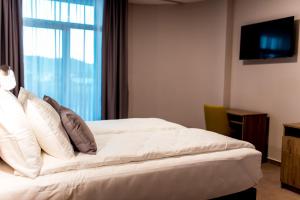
[216,119]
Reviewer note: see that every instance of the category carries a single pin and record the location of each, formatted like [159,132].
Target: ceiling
[159,2]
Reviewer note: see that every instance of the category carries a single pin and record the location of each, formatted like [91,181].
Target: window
[62,52]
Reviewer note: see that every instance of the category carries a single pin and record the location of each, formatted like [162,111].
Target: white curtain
[62,52]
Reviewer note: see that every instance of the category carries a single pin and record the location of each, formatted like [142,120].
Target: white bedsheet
[203,176]
[202,165]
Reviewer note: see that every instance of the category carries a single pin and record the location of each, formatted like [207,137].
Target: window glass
[62,52]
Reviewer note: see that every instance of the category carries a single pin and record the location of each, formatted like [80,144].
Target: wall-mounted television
[270,39]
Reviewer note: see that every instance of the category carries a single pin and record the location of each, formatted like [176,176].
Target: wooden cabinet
[290,157]
[252,127]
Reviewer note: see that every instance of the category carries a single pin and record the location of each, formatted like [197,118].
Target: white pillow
[47,126]
[18,145]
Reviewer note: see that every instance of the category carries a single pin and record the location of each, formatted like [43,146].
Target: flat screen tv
[270,39]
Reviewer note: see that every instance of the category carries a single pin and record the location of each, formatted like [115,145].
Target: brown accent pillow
[81,136]
[53,103]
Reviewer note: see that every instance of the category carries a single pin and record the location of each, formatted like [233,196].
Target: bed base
[249,194]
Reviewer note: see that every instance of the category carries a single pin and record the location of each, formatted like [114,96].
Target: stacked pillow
[47,126]
[29,124]
[79,133]
[18,145]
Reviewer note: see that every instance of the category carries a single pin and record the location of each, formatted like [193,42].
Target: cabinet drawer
[291,145]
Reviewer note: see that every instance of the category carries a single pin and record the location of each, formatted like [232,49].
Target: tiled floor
[269,186]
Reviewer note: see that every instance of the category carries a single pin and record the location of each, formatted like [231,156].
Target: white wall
[177,60]
[274,87]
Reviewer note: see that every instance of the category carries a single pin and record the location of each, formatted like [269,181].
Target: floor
[269,186]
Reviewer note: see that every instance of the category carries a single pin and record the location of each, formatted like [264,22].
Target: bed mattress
[190,177]
[131,165]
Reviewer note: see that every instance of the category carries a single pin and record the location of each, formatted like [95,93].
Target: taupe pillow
[81,136]
[53,103]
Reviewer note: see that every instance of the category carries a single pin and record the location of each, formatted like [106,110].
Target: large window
[62,52]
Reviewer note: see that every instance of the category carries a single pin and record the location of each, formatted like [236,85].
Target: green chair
[216,119]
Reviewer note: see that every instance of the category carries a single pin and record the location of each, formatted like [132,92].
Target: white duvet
[118,126]
[149,139]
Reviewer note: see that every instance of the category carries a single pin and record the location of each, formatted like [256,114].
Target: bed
[173,171]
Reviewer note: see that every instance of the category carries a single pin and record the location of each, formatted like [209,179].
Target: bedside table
[252,127]
[290,157]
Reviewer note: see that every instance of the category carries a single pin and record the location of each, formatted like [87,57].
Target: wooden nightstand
[252,127]
[290,157]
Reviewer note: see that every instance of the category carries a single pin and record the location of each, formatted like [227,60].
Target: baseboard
[274,162]
[293,189]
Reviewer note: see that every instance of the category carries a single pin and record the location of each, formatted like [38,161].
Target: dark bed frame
[249,194]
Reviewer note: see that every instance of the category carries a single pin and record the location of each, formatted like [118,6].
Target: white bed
[203,175]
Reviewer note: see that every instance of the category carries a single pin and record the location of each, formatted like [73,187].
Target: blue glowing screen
[272,39]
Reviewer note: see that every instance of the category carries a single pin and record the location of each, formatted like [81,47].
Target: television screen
[271,39]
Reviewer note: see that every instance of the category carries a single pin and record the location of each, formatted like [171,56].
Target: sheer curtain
[62,52]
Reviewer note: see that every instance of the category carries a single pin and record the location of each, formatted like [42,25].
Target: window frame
[65,27]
